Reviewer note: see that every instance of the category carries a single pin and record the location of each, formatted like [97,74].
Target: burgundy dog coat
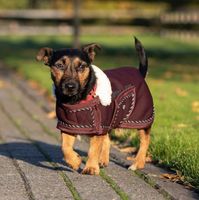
[131,107]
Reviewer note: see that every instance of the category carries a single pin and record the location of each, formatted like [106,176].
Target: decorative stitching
[79,110]
[121,102]
[142,121]
[74,126]
[80,126]
[131,108]
[93,116]
[105,126]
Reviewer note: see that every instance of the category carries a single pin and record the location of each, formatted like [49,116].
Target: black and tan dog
[93,102]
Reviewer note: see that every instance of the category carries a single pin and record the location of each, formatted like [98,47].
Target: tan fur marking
[104,155]
[83,76]
[92,165]
[70,156]
[76,61]
[57,74]
[140,158]
[66,60]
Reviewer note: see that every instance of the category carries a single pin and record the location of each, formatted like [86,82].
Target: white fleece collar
[103,90]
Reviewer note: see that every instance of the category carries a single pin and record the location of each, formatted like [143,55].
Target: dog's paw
[91,170]
[104,159]
[74,163]
[104,162]
[132,167]
[137,165]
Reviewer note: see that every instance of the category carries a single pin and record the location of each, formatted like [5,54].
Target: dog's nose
[70,86]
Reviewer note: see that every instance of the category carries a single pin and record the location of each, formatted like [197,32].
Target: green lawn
[173,79]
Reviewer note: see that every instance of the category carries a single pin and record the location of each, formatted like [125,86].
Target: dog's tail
[143,60]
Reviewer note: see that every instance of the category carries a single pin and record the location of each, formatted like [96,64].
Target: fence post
[76,24]
[33,4]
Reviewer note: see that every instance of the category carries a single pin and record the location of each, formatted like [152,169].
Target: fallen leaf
[168,74]
[42,91]
[187,77]
[181,92]
[128,150]
[195,106]
[51,99]
[33,84]
[130,158]
[51,115]
[119,132]
[181,125]
[189,186]
[162,97]
[114,144]
[158,82]
[177,178]
[173,177]
[2,84]
[149,159]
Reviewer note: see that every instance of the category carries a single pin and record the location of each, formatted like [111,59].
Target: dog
[92,102]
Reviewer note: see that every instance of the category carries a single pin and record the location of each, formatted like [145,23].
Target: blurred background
[169,31]
[166,18]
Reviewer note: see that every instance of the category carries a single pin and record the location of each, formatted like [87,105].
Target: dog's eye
[59,66]
[81,68]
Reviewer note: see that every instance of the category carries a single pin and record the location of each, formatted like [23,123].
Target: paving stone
[173,189]
[89,187]
[32,94]
[38,113]
[93,187]
[11,184]
[44,181]
[135,187]
[22,119]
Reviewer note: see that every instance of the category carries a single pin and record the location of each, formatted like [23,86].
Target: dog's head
[71,71]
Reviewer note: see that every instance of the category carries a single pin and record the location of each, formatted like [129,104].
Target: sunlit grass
[175,132]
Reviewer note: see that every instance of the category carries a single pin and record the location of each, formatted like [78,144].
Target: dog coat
[122,100]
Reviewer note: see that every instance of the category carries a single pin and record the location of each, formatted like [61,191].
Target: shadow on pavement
[37,153]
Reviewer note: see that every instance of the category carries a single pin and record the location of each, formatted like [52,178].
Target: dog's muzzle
[69,88]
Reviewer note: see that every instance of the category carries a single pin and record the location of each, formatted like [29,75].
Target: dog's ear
[90,50]
[45,55]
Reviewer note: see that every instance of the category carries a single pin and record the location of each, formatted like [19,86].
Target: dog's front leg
[92,164]
[70,156]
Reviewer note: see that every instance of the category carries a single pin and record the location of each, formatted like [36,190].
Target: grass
[173,79]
